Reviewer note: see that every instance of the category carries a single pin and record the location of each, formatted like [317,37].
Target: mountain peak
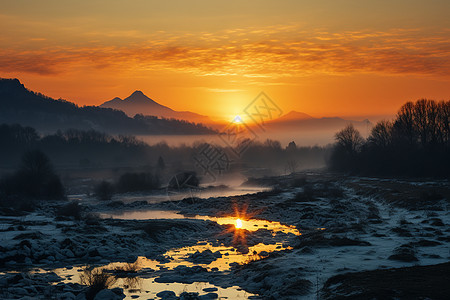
[138,93]
[138,103]
[138,96]
[295,115]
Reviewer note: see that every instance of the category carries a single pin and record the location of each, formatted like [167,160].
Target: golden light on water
[238,223]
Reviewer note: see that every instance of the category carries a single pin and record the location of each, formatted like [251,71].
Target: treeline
[415,143]
[92,149]
[71,147]
[272,155]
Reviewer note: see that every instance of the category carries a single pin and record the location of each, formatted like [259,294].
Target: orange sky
[324,58]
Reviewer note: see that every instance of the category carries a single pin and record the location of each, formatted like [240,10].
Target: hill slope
[20,105]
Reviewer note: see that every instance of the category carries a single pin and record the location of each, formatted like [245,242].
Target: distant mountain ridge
[139,103]
[295,120]
[293,115]
[316,130]
[22,106]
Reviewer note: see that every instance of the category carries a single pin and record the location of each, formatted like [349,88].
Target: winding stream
[217,259]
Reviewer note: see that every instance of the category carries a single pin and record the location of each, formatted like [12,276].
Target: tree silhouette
[381,135]
[416,143]
[349,139]
[160,165]
[35,179]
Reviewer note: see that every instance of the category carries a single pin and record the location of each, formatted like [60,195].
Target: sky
[324,58]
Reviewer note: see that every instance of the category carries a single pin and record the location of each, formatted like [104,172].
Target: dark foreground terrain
[306,236]
[421,282]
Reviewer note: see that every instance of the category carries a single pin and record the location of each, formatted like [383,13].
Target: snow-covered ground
[294,237]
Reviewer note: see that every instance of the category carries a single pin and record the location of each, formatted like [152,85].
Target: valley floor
[326,232]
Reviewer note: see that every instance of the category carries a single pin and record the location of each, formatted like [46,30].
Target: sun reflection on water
[252,224]
[238,223]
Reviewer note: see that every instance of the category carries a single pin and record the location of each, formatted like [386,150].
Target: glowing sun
[238,223]
[237,120]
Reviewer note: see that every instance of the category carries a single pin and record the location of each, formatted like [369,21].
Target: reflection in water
[143,215]
[133,283]
[229,255]
[252,224]
[247,224]
[138,278]
[238,223]
[202,192]
[144,286]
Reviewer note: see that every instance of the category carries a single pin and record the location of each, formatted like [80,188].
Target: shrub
[92,219]
[127,268]
[104,190]
[35,179]
[96,280]
[72,209]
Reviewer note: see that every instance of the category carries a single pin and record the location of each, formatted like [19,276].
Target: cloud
[254,53]
[224,90]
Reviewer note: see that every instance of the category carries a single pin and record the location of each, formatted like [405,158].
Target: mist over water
[304,135]
[301,139]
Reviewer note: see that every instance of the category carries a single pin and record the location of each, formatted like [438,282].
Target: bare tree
[405,124]
[381,135]
[349,139]
[443,118]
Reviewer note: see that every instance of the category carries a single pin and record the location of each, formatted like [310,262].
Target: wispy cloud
[254,53]
[224,90]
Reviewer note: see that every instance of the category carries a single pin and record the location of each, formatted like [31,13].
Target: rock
[209,296]
[3,282]
[205,257]
[93,253]
[117,291]
[81,296]
[52,277]
[108,295]
[189,296]
[66,296]
[31,289]
[426,243]
[404,253]
[26,251]
[68,253]
[163,259]
[27,261]
[166,295]
[59,256]
[208,290]
[17,291]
